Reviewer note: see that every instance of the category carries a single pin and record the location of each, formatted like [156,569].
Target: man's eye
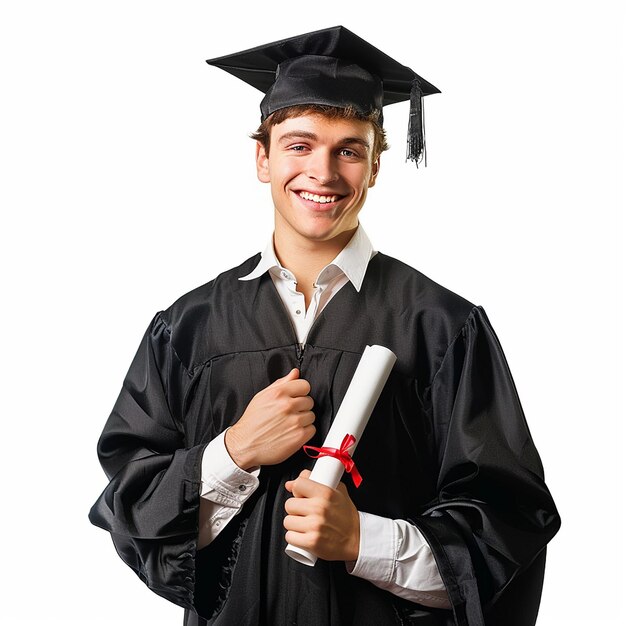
[347,152]
[298,148]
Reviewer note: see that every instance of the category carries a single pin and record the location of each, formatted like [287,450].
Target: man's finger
[303,403]
[296,387]
[300,506]
[297,523]
[299,540]
[289,483]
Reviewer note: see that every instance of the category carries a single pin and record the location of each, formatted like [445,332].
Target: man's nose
[322,167]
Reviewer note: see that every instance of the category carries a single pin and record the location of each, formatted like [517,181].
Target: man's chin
[325,235]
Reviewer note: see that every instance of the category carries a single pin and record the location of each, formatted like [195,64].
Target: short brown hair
[262,134]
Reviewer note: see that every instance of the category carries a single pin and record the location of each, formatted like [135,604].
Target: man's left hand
[322,520]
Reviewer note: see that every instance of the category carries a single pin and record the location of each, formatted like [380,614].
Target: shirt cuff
[377,549]
[223,481]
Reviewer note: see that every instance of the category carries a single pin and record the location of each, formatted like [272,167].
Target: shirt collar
[351,261]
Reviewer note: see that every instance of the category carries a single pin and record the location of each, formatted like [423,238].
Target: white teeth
[316,198]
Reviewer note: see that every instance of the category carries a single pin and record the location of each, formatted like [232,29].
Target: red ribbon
[341,455]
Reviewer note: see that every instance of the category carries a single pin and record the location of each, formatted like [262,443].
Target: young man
[203,448]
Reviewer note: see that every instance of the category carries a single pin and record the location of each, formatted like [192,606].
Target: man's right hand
[278,421]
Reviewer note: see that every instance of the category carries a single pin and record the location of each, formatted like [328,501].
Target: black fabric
[312,79]
[261,66]
[447,448]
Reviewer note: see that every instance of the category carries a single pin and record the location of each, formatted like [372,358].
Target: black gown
[447,448]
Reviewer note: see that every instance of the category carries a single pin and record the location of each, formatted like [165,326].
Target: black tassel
[415,141]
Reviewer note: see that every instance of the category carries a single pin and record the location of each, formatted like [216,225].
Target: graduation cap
[332,67]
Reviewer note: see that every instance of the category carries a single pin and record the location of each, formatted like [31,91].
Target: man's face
[319,170]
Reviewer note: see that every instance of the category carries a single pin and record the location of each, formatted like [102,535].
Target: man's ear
[375,170]
[262,164]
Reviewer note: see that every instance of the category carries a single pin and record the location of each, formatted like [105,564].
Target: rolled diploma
[356,408]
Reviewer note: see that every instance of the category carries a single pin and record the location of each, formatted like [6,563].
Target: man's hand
[322,520]
[276,423]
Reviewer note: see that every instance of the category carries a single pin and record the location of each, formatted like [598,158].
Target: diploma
[356,408]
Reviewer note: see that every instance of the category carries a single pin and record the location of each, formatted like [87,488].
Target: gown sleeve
[151,503]
[493,514]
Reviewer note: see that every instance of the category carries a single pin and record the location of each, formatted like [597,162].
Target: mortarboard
[332,67]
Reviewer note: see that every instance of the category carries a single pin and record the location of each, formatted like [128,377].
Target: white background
[127,179]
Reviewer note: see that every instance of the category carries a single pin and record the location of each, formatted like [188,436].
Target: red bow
[341,455]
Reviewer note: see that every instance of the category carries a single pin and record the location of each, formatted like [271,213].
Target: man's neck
[307,258]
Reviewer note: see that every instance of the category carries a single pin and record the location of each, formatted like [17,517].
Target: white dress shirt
[393,554]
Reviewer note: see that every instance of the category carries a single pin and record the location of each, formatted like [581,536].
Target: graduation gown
[447,448]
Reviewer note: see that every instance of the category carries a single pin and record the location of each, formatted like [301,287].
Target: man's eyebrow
[297,134]
[303,134]
[358,140]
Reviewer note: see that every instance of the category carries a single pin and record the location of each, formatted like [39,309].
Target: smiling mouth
[320,199]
